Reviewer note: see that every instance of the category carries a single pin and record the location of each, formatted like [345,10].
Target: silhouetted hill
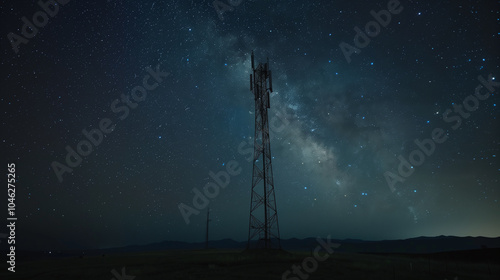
[418,245]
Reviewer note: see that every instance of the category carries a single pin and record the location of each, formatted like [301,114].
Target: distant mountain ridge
[421,244]
[417,245]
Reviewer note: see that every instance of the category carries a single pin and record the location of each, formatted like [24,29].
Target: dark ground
[231,264]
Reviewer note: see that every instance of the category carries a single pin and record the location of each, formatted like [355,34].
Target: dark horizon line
[202,243]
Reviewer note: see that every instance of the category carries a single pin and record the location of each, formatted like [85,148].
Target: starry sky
[346,124]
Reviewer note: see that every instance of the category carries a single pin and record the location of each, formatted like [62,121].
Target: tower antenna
[263,231]
[208,220]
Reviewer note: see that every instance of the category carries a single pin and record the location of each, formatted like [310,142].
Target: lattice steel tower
[263,231]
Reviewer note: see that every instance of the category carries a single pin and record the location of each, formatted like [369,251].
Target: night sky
[346,125]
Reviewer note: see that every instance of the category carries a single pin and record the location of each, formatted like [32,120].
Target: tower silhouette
[208,221]
[263,231]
